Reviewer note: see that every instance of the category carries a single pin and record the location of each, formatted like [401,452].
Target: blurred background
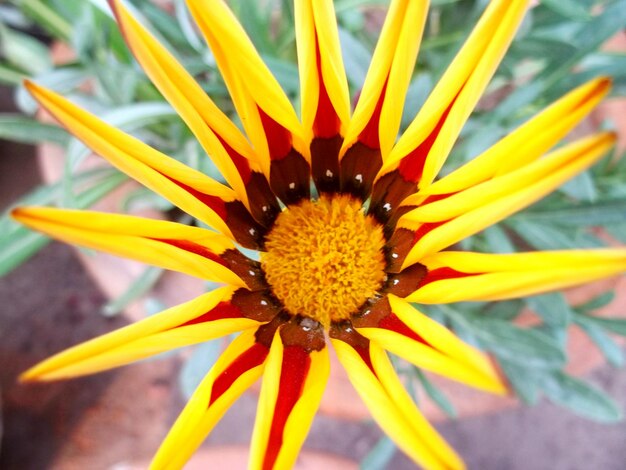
[53,296]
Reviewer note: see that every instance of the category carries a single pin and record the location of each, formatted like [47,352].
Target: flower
[344,265]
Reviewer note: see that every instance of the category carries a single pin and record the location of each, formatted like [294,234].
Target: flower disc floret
[324,258]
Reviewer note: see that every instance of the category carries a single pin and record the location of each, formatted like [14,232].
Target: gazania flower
[342,261]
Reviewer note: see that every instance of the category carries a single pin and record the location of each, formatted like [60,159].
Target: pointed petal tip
[115,6]
[20,214]
[605,82]
[32,87]
[32,375]
[23,213]
[27,377]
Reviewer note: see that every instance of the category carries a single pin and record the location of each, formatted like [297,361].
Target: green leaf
[47,18]
[345,5]
[24,52]
[255,18]
[505,309]
[356,58]
[540,235]
[519,345]
[379,457]
[186,25]
[435,394]
[568,8]
[589,37]
[610,349]
[581,398]
[615,325]
[10,76]
[19,128]
[416,95]
[552,308]
[595,213]
[285,72]
[523,380]
[581,188]
[497,240]
[596,303]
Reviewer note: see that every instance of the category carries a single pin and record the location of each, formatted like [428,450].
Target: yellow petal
[325,99]
[160,173]
[389,73]
[528,142]
[438,350]
[207,317]
[191,250]
[199,112]
[239,366]
[576,157]
[319,61]
[251,84]
[293,384]
[500,186]
[387,402]
[431,439]
[463,276]
[460,88]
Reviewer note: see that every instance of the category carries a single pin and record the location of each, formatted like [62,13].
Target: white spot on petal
[329,173]
[359,178]
[292,185]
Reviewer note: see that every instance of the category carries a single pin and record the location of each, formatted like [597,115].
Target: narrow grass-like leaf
[379,457]
[581,398]
[552,308]
[522,379]
[47,18]
[609,348]
[597,213]
[23,129]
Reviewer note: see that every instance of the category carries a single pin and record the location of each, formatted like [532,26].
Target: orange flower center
[324,258]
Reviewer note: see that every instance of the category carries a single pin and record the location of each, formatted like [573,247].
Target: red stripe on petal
[278,138]
[293,373]
[214,202]
[364,353]
[424,229]
[393,323]
[412,166]
[437,197]
[251,358]
[219,312]
[440,274]
[369,135]
[240,162]
[193,248]
[326,123]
